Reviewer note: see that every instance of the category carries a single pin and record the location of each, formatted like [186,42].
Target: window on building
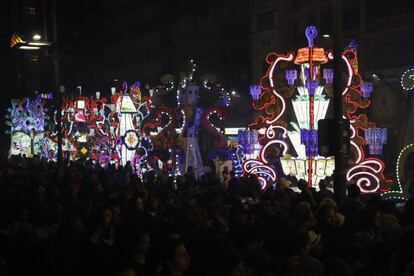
[30,9]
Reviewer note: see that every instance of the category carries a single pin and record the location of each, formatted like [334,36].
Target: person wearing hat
[309,243]
[314,239]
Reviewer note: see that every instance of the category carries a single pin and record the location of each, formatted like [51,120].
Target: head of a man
[177,259]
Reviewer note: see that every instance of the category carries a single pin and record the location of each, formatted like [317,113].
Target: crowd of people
[78,219]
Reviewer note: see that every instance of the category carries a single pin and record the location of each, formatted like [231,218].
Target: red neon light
[273,104]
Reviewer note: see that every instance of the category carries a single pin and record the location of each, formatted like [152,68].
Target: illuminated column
[126,128]
[311,84]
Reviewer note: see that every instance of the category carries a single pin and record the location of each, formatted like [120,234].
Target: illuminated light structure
[376,138]
[185,119]
[248,148]
[189,135]
[255,91]
[94,128]
[126,130]
[249,141]
[237,158]
[224,98]
[401,193]
[103,130]
[310,90]
[366,172]
[407,80]
[366,89]
[328,75]
[88,129]
[131,111]
[291,76]
[27,119]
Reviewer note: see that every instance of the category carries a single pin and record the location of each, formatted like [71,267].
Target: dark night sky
[83,37]
[7,70]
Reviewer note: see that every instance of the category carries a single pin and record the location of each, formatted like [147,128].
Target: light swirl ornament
[264,173]
[305,77]
[365,175]
[407,80]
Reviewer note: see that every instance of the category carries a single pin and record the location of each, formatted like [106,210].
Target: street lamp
[35,44]
[37,37]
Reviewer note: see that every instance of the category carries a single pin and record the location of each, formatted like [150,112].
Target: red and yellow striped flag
[15,39]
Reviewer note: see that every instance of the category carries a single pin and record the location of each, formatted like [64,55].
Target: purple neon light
[291,76]
[328,75]
[366,89]
[311,85]
[311,33]
[376,138]
[309,138]
[353,44]
[247,139]
[255,91]
[306,72]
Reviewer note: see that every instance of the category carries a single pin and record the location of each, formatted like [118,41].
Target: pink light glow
[363,182]
[366,182]
[350,71]
[262,152]
[360,154]
[257,167]
[351,74]
[270,132]
[262,181]
[288,58]
[352,129]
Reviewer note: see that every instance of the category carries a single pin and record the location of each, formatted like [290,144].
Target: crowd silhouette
[79,219]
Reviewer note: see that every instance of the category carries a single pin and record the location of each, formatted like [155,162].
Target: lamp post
[35,43]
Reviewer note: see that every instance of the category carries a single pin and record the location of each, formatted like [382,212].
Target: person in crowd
[323,192]
[302,263]
[352,207]
[177,259]
[138,248]
[304,219]
[369,233]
